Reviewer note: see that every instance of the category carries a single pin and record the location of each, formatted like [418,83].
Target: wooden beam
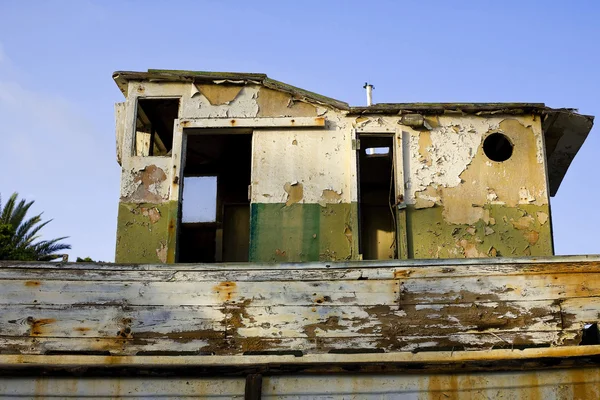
[253,387]
[434,357]
[294,122]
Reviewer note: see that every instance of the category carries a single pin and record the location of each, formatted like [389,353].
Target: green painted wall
[146,232]
[507,232]
[303,232]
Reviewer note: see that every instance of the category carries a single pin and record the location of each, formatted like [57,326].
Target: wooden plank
[253,389]
[499,288]
[578,312]
[183,275]
[189,322]
[84,345]
[113,321]
[300,346]
[277,122]
[403,268]
[199,293]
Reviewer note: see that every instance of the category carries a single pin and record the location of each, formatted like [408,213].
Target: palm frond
[20,235]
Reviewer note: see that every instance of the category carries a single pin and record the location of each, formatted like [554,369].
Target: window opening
[377,151]
[199,199]
[497,147]
[154,123]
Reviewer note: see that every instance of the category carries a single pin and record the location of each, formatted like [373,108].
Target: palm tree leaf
[22,232]
[19,213]
[8,208]
[19,239]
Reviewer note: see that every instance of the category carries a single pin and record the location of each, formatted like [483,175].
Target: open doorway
[215,218]
[376,197]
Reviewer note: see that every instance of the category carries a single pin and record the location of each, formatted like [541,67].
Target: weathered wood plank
[578,312]
[423,268]
[207,322]
[442,357]
[264,122]
[210,274]
[222,275]
[200,293]
[499,288]
[301,346]
[343,307]
[358,292]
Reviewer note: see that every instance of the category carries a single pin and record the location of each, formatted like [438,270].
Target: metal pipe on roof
[369,93]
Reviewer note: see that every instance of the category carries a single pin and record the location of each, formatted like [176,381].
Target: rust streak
[225,290]
[38,324]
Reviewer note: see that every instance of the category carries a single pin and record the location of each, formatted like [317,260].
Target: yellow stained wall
[463,204]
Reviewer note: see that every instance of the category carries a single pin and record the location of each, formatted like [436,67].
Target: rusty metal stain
[32,283]
[37,325]
[225,290]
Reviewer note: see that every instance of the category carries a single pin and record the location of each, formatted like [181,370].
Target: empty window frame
[155,119]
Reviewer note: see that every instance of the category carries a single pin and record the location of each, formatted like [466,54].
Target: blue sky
[57,94]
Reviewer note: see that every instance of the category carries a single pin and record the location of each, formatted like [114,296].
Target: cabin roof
[565,129]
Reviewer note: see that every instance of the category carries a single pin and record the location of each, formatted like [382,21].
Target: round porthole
[497,147]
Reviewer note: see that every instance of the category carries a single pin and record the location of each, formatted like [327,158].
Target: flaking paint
[501,232]
[447,180]
[146,232]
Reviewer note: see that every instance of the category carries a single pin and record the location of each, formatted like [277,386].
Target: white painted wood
[467,266]
[302,346]
[277,122]
[223,309]
[276,321]
[199,293]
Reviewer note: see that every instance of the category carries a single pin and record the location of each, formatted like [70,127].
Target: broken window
[155,119]
[199,199]
[376,197]
[215,221]
[377,151]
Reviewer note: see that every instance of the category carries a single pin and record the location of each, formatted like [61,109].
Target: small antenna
[369,88]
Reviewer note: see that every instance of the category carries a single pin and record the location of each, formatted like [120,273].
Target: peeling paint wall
[282,176]
[304,193]
[146,232]
[462,204]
